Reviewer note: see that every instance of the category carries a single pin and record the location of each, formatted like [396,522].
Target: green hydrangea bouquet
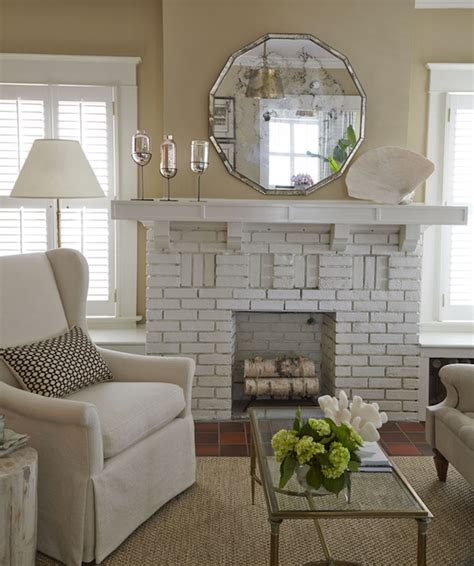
[327,451]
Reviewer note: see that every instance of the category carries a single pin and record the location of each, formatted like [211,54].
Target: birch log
[18,508]
[282,367]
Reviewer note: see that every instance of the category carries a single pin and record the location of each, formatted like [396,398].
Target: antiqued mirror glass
[286,114]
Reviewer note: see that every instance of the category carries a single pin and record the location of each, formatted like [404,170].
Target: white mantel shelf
[339,214]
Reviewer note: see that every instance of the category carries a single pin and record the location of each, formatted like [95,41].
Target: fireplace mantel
[340,215]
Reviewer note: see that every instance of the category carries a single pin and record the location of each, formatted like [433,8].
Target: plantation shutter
[458,241]
[24,117]
[85,114]
[82,113]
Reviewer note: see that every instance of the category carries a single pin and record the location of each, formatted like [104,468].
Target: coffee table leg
[252,467]
[274,542]
[422,533]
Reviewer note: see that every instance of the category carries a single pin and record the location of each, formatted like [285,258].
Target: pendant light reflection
[265,82]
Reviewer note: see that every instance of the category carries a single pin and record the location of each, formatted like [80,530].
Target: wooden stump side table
[18,507]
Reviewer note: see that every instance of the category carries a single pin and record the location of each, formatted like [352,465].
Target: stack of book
[373,458]
[12,441]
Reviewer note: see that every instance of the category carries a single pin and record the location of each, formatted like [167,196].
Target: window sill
[118,336]
[112,322]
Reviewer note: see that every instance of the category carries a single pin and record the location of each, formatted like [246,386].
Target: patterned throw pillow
[58,366]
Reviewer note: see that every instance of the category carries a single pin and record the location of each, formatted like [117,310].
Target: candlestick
[168,162]
[199,161]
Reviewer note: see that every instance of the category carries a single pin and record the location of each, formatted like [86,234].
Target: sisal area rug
[214,524]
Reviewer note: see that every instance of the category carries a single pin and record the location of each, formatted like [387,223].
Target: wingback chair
[111,454]
[450,424]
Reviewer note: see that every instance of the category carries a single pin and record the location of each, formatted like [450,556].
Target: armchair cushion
[460,424]
[57,366]
[129,412]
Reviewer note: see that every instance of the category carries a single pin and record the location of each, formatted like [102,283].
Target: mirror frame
[220,78]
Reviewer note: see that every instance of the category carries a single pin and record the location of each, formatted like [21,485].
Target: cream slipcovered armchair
[450,424]
[111,454]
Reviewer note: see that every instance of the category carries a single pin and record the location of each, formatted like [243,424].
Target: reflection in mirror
[286,114]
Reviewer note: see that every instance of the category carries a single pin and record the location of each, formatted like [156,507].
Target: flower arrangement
[302,180]
[327,450]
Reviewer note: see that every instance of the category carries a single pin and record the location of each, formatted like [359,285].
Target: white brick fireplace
[209,265]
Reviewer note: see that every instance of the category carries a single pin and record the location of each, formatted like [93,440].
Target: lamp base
[148,199]
[168,200]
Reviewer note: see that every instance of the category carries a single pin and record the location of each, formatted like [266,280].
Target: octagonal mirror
[287,114]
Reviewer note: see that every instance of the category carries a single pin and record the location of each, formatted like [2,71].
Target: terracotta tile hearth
[232,439]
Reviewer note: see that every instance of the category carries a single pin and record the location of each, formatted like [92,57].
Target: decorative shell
[387,174]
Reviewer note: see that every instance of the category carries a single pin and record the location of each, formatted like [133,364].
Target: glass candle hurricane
[168,161]
[199,160]
[141,155]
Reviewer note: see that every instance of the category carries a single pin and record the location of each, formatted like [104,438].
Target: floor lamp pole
[58,223]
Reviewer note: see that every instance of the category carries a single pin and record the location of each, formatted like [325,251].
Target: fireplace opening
[277,335]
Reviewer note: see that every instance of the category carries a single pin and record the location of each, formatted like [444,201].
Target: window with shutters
[457,277]
[447,301]
[82,113]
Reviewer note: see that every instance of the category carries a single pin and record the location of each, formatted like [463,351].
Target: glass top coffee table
[373,494]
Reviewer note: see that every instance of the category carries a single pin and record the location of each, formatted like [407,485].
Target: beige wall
[98,27]
[387,42]
[441,36]
[199,35]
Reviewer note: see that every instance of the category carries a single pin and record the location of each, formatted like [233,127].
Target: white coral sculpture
[365,418]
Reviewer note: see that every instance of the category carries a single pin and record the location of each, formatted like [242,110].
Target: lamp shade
[265,83]
[56,169]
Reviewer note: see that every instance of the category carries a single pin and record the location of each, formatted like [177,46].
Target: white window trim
[444,78]
[119,72]
[444,4]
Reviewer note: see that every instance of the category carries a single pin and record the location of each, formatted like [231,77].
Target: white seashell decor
[387,174]
[365,418]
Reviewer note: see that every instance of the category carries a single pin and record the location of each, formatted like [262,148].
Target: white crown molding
[444,4]
[451,77]
[68,69]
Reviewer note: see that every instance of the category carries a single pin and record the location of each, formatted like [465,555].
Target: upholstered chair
[111,454]
[450,424]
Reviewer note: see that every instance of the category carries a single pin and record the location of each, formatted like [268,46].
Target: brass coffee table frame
[276,516]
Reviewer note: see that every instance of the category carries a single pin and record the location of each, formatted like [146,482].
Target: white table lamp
[57,169]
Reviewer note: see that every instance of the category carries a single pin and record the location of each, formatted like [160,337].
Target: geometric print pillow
[57,366]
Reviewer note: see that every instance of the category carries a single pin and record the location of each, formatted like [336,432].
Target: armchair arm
[134,367]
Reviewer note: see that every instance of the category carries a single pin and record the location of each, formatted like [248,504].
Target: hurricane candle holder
[199,161]
[141,155]
[168,163]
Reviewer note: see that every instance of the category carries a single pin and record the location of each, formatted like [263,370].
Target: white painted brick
[180,293]
[224,347]
[214,359]
[404,284]
[302,238]
[301,305]
[215,293]
[180,337]
[412,295]
[412,339]
[162,348]
[283,271]
[352,360]
[286,248]
[224,325]
[413,361]
[234,304]
[336,260]
[410,405]
[163,258]
[315,248]
[186,270]
[403,350]
[404,261]
[368,349]
[402,306]
[267,305]
[214,381]
[401,372]
[284,282]
[352,316]
[386,317]
[372,394]
[268,237]
[180,315]
[385,383]
[342,371]
[253,248]
[319,294]
[232,282]
[345,272]
[386,295]
[223,370]
[370,306]
[385,360]
[204,325]
[215,315]
[215,404]
[164,281]
[224,392]
[402,327]
[334,283]
[154,293]
[335,305]
[300,271]
[344,349]
[214,337]
[410,383]
[283,260]
[368,327]
[155,337]
[386,338]
[167,269]
[404,273]
[352,382]
[403,394]
[198,304]
[199,236]
[163,304]
[209,270]
[249,294]
[231,270]
[384,250]
[353,295]
[411,317]
[232,259]
[161,325]
[283,294]
[390,405]
[369,371]
[399,416]
[352,338]
[198,270]
[204,370]
[203,392]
